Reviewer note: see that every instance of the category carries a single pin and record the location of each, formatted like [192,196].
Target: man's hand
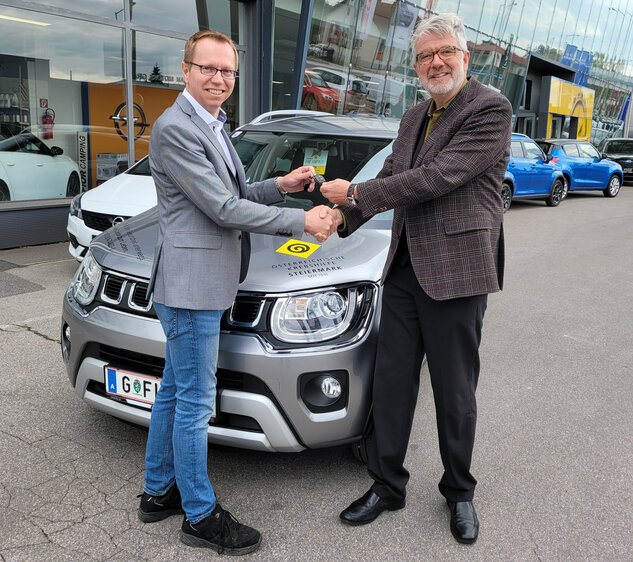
[297,179]
[335,191]
[319,223]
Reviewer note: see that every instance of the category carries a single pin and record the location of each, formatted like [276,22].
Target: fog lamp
[67,332]
[331,387]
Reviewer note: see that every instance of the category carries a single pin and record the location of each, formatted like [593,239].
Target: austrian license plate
[133,386]
[138,388]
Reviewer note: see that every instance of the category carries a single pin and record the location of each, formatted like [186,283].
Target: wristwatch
[350,194]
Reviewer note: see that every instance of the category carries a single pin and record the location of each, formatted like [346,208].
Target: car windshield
[317,80]
[266,154]
[141,168]
[618,147]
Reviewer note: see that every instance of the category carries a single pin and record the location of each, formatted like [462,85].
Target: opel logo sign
[117,220]
[120,121]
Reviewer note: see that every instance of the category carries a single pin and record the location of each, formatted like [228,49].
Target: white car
[115,200]
[31,170]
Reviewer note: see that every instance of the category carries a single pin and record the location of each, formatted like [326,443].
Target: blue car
[531,174]
[583,166]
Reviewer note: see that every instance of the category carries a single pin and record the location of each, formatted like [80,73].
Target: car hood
[126,195]
[128,247]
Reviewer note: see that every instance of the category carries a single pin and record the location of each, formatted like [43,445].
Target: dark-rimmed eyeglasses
[445,53]
[226,73]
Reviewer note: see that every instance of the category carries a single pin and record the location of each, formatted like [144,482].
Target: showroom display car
[531,174]
[619,150]
[29,169]
[115,200]
[584,168]
[296,355]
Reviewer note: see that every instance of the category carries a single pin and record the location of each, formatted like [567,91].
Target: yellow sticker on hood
[298,248]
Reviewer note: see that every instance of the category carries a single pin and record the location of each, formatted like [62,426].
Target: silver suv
[297,349]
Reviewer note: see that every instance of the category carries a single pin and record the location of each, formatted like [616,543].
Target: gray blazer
[447,201]
[203,208]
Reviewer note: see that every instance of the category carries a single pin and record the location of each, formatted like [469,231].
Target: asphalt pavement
[553,457]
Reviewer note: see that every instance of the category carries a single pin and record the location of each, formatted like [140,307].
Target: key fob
[318,180]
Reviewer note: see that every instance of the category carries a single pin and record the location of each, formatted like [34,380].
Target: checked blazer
[447,202]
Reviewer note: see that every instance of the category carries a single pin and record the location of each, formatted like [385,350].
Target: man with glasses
[443,180]
[205,212]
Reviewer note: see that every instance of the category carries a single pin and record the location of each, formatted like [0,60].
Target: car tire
[565,187]
[556,194]
[506,195]
[73,187]
[613,187]
[4,192]
[311,103]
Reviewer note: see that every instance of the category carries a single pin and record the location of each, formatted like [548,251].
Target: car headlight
[87,280]
[75,206]
[313,317]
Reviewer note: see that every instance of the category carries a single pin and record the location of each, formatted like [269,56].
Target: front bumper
[273,415]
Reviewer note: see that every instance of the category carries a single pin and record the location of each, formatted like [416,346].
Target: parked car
[621,151]
[31,170]
[297,351]
[531,174]
[391,97]
[352,90]
[583,166]
[115,200]
[317,95]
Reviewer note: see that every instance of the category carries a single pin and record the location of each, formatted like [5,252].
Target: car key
[318,180]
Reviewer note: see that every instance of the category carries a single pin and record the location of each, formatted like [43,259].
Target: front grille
[112,288]
[125,293]
[245,311]
[99,221]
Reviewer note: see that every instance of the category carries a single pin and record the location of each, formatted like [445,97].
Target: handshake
[322,221]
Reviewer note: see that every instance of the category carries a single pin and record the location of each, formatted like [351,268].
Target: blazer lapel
[454,110]
[206,129]
[239,169]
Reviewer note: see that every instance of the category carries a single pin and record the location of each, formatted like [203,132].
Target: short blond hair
[190,45]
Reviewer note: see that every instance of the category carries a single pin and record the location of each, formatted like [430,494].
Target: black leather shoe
[367,508]
[157,508]
[464,522]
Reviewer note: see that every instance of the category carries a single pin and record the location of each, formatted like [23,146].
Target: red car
[317,95]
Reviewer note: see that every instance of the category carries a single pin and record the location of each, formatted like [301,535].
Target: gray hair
[440,24]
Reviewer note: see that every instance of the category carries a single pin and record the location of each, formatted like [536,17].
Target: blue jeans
[177,439]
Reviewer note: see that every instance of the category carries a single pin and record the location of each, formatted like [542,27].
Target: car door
[595,172]
[519,166]
[537,172]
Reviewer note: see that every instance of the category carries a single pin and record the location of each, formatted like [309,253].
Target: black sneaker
[157,508]
[221,532]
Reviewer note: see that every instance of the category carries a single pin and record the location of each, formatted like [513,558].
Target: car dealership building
[72,72]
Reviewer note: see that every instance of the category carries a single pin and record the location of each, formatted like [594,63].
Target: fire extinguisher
[48,120]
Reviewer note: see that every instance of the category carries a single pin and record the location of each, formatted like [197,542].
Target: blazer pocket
[466,224]
[197,240]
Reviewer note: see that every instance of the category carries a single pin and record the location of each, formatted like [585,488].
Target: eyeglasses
[445,53]
[211,71]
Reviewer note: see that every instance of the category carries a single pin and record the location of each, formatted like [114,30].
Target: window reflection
[56,104]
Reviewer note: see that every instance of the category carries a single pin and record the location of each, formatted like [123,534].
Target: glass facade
[70,73]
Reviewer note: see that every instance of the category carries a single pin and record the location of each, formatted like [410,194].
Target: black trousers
[449,332]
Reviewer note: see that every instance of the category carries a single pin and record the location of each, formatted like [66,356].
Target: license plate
[138,388]
[627,170]
[133,386]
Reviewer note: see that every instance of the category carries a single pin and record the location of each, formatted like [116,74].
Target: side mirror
[56,151]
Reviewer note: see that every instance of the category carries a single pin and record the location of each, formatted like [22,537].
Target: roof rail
[270,115]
